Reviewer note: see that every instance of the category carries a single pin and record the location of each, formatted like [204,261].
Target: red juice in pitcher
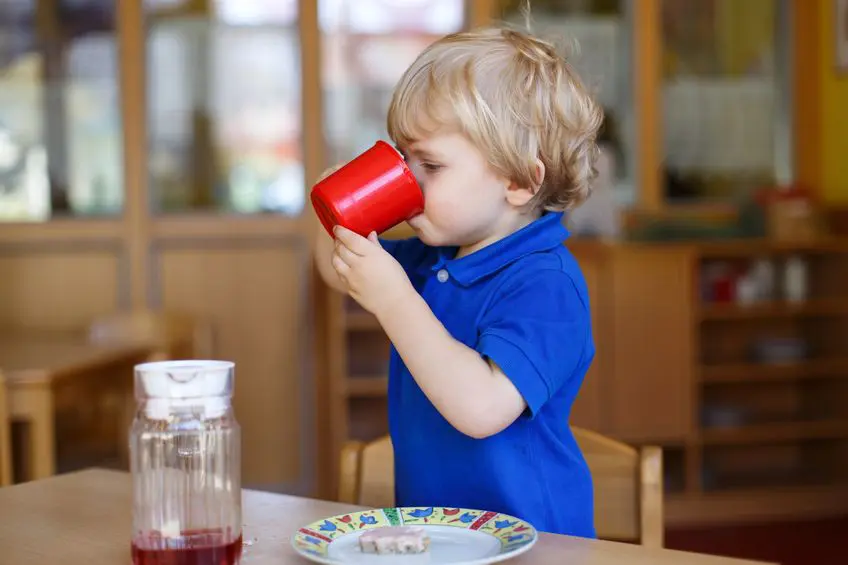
[192,548]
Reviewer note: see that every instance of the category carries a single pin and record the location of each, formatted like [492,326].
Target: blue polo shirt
[522,302]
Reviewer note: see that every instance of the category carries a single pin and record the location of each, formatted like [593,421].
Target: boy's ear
[519,196]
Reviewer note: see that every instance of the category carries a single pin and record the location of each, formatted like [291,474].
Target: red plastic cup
[374,192]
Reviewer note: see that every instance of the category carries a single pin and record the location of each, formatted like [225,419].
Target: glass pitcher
[185,458]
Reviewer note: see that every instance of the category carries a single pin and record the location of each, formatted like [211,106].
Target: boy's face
[465,200]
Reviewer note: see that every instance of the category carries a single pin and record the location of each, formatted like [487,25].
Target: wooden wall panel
[55,286]
[255,294]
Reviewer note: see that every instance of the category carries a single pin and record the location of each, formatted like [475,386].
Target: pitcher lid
[184,379]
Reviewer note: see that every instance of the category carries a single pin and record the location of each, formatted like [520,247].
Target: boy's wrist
[396,306]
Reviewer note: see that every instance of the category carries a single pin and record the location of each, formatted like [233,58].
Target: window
[367,45]
[225,109]
[60,127]
[722,94]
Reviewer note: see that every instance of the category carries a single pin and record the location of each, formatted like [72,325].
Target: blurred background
[155,161]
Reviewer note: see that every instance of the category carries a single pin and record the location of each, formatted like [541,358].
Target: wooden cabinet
[589,410]
[639,386]
[648,395]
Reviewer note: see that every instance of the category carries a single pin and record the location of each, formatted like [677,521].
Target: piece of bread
[394,540]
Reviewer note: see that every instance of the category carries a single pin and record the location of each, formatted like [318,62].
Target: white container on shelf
[763,273]
[795,279]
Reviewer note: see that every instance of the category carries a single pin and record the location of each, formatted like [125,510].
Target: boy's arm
[533,338]
[473,395]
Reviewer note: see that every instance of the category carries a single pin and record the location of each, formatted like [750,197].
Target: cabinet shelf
[764,372]
[754,247]
[751,504]
[809,308]
[367,386]
[360,320]
[775,432]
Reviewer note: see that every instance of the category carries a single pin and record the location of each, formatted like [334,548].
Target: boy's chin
[425,237]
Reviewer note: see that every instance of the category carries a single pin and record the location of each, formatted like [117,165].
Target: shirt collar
[543,234]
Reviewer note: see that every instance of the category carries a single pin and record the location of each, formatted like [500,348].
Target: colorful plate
[457,536]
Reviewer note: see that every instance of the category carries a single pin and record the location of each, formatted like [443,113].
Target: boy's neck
[498,233]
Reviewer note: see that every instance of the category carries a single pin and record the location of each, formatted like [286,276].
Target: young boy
[487,311]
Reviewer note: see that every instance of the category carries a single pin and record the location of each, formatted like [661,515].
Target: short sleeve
[538,331]
[408,252]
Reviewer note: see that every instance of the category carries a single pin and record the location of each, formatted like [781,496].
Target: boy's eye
[431,167]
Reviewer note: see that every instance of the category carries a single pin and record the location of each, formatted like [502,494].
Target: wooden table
[84,518]
[35,364]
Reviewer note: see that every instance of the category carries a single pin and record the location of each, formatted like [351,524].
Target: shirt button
[442,276]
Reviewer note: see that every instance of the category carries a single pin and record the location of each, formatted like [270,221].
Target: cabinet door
[650,394]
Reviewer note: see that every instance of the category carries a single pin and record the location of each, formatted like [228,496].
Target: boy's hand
[372,277]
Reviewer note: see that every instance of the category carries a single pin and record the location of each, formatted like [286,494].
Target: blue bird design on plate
[369,520]
[466,518]
[423,513]
[501,524]
[328,526]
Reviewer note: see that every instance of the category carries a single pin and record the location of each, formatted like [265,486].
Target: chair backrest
[174,335]
[5,436]
[367,474]
[627,484]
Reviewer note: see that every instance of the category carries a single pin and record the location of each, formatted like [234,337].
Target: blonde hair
[516,99]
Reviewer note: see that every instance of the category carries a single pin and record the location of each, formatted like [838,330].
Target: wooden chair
[627,484]
[367,476]
[174,335]
[5,437]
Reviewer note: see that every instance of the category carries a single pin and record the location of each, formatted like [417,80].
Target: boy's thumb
[372,237]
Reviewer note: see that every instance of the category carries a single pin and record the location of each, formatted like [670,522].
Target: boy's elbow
[329,276]
[480,432]
[486,417]
[481,425]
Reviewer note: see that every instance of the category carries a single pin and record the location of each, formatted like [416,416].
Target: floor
[822,542]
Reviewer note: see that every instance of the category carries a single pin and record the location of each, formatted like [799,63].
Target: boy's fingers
[373,238]
[352,240]
[340,266]
[346,255]
[340,245]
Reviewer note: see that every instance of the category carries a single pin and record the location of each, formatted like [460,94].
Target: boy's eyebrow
[426,154]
